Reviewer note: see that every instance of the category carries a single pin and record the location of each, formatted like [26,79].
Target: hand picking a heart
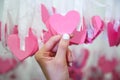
[65,24]
[31,46]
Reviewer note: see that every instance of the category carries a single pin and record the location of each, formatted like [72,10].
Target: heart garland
[59,24]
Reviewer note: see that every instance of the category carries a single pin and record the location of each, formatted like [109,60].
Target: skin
[54,58]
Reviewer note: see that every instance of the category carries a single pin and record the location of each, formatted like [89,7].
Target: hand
[55,65]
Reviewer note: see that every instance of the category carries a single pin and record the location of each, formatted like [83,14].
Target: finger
[52,42]
[69,56]
[55,48]
[62,48]
[47,47]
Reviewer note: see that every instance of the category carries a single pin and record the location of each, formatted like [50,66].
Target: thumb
[62,48]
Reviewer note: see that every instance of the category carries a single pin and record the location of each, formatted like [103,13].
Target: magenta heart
[6,65]
[118,39]
[65,24]
[112,34]
[106,65]
[31,46]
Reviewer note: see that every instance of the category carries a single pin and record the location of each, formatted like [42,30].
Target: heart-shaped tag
[106,65]
[97,28]
[79,36]
[44,13]
[112,34]
[31,46]
[6,65]
[118,39]
[65,24]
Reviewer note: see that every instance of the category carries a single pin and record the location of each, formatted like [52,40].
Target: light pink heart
[97,24]
[97,28]
[31,46]
[44,13]
[65,24]
[7,65]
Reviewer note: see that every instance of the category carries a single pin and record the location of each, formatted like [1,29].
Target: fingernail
[70,64]
[66,36]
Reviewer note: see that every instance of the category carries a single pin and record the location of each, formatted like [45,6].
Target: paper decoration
[31,46]
[6,65]
[79,37]
[104,63]
[97,27]
[44,13]
[113,35]
[65,24]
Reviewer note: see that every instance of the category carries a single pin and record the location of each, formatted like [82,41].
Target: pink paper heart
[106,65]
[118,39]
[97,24]
[6,65]
[44,13]
[31,46]
[65,24]
[79,36]
[15,29]
[112,34]
[97,28]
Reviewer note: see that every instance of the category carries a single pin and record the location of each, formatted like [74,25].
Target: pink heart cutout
[118,39]
[112,34]
[65,24]
[44,13]
[97,28]
[6,65]
[106,65]
[79,36]
[97,24]
[31,46]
